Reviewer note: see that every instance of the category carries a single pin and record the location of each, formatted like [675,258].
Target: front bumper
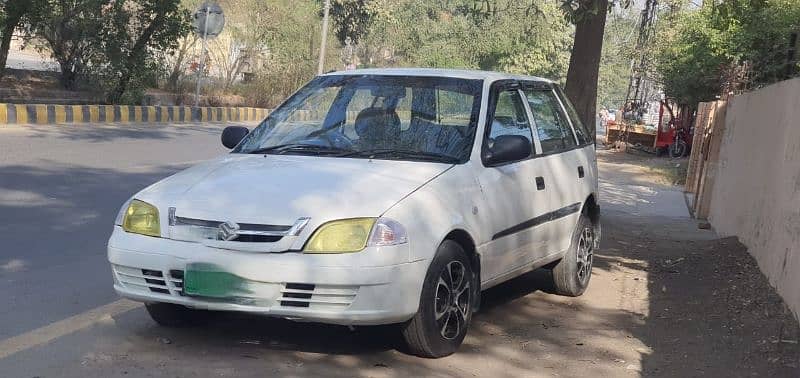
[374,286]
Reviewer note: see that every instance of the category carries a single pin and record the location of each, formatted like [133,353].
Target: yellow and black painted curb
[44,114]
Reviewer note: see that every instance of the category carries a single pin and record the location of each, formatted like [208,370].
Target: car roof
[440,72]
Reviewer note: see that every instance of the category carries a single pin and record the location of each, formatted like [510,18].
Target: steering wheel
[331,137]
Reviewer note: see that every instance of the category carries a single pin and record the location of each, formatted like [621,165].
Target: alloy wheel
[585,254]
[452,300]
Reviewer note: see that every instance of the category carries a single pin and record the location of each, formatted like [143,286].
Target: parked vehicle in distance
[372,197]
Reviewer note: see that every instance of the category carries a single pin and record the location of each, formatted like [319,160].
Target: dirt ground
[666,299]
[710,310]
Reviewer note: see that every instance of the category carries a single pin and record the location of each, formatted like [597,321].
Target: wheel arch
[592,209]
[465,240]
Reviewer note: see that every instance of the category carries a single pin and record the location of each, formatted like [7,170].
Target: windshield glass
[372,116]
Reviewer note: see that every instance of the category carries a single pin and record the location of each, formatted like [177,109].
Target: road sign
[208,23]
[208,20]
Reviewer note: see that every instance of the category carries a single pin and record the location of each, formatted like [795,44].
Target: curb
[46,114]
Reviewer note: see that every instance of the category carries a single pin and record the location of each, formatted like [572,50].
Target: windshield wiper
[299,147]
[417,155]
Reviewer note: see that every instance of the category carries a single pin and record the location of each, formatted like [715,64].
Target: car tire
[678,149]
[446,305]
[172,315]
[572,273]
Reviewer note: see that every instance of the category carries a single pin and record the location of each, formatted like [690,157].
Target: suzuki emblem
[228,231]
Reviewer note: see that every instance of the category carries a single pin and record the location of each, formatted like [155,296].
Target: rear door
[561,154]
[587,157]
[514,200]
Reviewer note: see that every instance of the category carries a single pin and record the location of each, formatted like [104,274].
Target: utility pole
[202,58]
[322,43]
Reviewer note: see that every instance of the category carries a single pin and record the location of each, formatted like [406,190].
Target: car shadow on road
[133,131]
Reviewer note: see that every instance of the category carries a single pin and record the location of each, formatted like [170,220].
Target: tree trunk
[15,12]
[133,59]
[174,76]
[584,65]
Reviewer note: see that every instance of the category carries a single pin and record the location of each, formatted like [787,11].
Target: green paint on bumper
[211,281]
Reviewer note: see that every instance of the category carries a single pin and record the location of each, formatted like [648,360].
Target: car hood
[279,189]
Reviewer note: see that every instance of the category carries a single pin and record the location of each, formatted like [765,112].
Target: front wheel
[572,273]
[446,303]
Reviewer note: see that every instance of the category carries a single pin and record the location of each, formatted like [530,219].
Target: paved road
[60,188]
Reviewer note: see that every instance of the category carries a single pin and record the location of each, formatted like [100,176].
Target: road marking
[64,327]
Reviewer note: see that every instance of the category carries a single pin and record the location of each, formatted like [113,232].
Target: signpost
[208,23]
[324,38]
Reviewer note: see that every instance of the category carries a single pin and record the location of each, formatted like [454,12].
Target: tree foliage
[529,37]
[69,30]
[615,64]
[727,46]
[134,33]
[12,14]
[113,44]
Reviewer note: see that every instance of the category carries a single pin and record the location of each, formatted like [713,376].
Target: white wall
[756,194]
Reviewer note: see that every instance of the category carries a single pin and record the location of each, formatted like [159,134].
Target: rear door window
[552,126]
[583,134]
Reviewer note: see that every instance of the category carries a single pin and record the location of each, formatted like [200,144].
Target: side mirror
[507,148]
[232,135]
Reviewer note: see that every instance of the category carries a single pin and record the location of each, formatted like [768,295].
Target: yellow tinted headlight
[142,218]
[341,236]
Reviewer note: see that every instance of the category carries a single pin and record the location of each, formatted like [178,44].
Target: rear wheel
[678,149]
[446,304]
[172,315]
[572,273]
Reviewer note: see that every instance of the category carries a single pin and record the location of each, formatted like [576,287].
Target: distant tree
[11,15]
[69,31]
[619,42]
[526,37]
[134,32]
[728,46]
[352,19]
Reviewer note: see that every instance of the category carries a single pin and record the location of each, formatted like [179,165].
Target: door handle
[540,183]
[580,172]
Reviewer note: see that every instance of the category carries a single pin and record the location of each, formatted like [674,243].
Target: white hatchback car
[372,197]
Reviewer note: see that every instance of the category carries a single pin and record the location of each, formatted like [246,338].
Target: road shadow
[94,133]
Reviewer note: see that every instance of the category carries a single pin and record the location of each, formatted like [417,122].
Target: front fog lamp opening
[387,232]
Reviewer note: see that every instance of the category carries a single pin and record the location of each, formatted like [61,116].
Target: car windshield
[374,116]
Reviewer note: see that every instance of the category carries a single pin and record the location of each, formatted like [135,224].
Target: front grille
[176,278]
[257,239]
[191,229]
[154,281]
[332,297]
[181,221]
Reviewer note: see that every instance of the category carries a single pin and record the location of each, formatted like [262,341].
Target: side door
[513,199]
[560,152]
[587,154]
